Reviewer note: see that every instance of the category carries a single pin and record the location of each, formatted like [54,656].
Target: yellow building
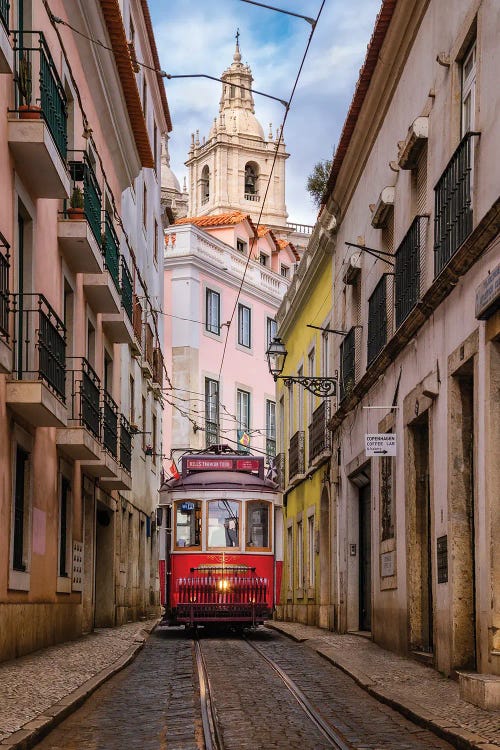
[304,439]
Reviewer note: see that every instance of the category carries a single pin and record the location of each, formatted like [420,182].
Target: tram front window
[188,524]
[258,524]
[223,523]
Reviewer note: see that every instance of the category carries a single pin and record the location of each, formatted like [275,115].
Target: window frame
[208,404]
[240,424]
[208,546]
[180,548]
[241,326]
[268,547]
[209,292]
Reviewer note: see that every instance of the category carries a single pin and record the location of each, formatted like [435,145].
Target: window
[284,270]
[144,423]
[21,508]
[243,417]
[244,326]
[155,146]
[64,527]
[289,549]
[145,207]
[212,320]
[270,430]
[469,90]
[300,401]
[144,96]
[263,259]
[223,523]
[211,412]
[281,425]
[271,331]
[205,184]
[311,371]
[250,179]
[291,421]
[300,555]
[188,523]
[154,441]
[310,549]
[325,354]
[241,246]
[257,529]
[132,400]
[155,244]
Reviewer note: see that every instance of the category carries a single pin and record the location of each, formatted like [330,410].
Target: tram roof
[224,480]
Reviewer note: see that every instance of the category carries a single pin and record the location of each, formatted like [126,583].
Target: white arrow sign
[383,444]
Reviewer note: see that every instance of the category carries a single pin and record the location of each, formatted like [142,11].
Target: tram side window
[188,524]
[223,523]
[258,524]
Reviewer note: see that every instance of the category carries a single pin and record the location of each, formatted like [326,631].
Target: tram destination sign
[382,444]
[223,464]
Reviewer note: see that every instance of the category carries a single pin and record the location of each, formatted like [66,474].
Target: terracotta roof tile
[218,220]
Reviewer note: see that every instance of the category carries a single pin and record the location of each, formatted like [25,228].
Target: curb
[461,738]
[34,731]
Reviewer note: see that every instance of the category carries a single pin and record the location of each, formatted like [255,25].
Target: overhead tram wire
[279,141]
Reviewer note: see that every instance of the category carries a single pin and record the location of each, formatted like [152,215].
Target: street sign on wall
[383,444]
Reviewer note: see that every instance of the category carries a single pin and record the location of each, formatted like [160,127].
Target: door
[365,572]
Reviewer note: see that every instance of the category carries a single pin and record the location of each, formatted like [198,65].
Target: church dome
[238,121]
[168,179]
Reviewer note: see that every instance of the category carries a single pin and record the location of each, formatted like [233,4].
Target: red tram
[219,546]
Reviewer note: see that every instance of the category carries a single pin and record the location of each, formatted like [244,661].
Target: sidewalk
[39,690]
[417,691]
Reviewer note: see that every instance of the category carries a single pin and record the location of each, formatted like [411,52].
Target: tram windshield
[258,524]
[188,524]
[223,523]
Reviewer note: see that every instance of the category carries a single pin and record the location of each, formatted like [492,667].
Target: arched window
[205,184]
[251,179]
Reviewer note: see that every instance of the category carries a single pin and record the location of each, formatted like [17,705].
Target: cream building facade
[411,219]
[80,351]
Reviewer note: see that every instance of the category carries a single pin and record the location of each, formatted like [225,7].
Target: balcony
[6,51]
[37,128]
[279,470]
[348,364]
[38,392]
[296,457]
[123,478]
[5,350]
[137,325]
[119,326]
[377,320]
[453,213]
[79,229]
[255,197]
[407,271]
[320,446]
[81,439]
[103,290]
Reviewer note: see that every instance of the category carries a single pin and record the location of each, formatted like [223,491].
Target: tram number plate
[186,507]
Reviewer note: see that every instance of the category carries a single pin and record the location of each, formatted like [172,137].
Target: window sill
[19,580]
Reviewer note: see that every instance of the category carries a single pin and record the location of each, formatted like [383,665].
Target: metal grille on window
[211,412]
[347,364]
[377,319]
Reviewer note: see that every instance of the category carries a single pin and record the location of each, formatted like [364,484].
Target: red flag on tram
[173,470]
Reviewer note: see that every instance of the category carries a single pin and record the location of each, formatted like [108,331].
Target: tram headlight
[223,584]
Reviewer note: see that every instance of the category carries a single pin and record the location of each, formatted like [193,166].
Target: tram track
[212,729]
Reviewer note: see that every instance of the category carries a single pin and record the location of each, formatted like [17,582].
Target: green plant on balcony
[27,110]
[76,204]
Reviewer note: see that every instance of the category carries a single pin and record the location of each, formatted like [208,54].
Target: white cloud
[197,36]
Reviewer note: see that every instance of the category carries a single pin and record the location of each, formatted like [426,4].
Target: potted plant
[27,111]
[76,204]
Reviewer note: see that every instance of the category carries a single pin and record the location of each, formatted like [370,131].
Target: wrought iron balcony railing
[85,396]
[377,319]
[252,197]
[270,450]
[125,444]
[110,425]
[38,87]
[111,251]
[40,343]
[407,271]
[4,288]
[211,433]
[348,364]
[127,290]
[319,434]
[279,468]
[85,186]
[4,13]
[453,203]
[296,462]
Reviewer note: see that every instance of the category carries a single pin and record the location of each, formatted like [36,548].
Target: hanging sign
[383,444]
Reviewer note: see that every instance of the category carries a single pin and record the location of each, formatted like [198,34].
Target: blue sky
[198,36]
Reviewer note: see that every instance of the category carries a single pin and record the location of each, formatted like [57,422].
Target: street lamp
[276,355]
